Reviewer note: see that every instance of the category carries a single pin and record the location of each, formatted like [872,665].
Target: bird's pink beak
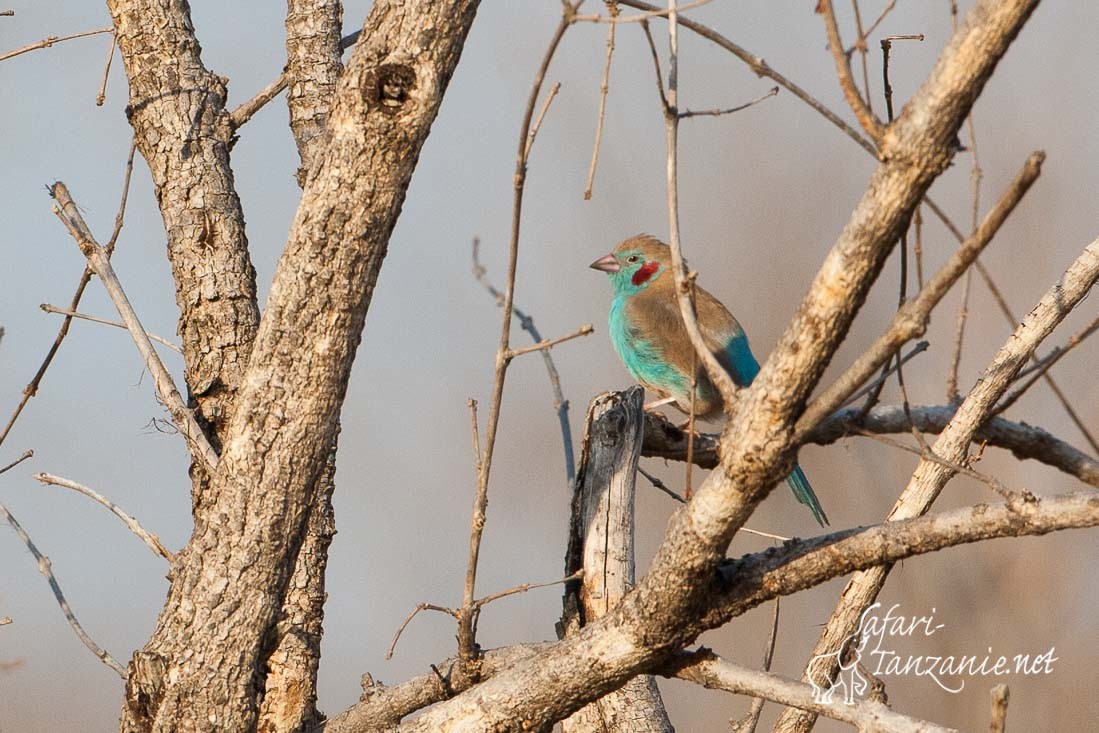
[606,263]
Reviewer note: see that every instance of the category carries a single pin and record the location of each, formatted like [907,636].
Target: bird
[647,331]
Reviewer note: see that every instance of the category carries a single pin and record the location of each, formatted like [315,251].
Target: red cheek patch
[644,272]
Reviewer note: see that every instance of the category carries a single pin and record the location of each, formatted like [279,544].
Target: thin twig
[858,105]
[683,291]
[918,349]
[860,46]
[244,112]
[1040,367]
[657,483]
[718,112]
[32,387]
[48,42]
[524,587]
[749,722]
[656,64]
[761,68]
[151,540]
[547,344]
[408,619]
[526,322]
[550,96]
[910,320]
[46,569]
[861,39]
[95,319]
[1054,387]
[975,175]
[927,454]
[640,17]
[614,10]
[101,97]
[998,720]
[466,617]
[97,258]
[17,461]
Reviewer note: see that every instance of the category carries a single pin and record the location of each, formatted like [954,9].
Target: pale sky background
[764,194]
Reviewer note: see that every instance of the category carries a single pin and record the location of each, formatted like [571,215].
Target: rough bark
[201,669]
[313,67]
[177,110]
[601,544]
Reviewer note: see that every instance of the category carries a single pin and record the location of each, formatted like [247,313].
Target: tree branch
[100,263]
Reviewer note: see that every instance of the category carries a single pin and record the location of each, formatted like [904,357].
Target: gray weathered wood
[601,542]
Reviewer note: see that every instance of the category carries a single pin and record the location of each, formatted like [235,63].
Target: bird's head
[635,264]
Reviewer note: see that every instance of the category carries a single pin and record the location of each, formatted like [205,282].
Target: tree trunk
[202,669]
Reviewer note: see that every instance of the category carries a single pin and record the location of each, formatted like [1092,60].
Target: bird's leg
[651,406]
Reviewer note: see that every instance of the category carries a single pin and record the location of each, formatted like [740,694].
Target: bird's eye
[632,259]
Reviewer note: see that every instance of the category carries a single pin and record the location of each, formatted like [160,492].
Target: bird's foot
[652,406]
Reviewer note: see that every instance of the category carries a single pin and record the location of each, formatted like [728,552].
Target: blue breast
[642,358]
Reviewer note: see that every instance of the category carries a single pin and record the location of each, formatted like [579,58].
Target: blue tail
[804,492]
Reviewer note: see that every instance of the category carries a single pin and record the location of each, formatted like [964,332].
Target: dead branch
[46,568]
[151,540]
[100,263]
[49,41]
[712,672]
[95,319]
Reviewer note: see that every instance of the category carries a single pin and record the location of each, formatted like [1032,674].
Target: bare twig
[707,669]
[17,461]
[46,569]
[1043,365]
[1066,404]
[48,42]
[860,41]
[419,607]
[751,720]
[524,587]
[550,96]
[763,69]
[466,617]
[547,344]
[101,97]
[32,387]
[640,17]
[718,112]
[927,453]
[910,320]
[998,721]
[95,319]
[614,10]
[683,291]
[877,384]
[858,105]
[860,46]
[245,111]
[151,540]
[526,322]
[657,483]
[97,258]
